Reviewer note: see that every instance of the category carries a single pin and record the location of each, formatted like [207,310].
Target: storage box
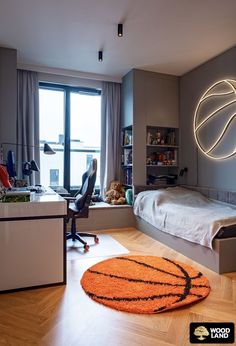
[16,196]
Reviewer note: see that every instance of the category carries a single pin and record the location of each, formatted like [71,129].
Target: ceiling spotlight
[100,56]
[120,30]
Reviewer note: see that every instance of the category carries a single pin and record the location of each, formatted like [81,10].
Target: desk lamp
[47,150]
[29,167]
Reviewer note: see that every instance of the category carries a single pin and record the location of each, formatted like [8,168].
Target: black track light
[120,30]
[100,56]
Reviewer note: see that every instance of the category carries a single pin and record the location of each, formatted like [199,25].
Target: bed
[191,223]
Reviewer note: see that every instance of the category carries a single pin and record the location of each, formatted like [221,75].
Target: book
[128,159]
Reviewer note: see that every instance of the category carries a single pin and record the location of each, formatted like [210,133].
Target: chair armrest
[68,200]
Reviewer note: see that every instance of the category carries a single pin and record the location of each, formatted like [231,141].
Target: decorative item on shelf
[154,158]
[175,157]
[149,138]
[158,137]
[128,178]
[171,140]
[122,159]
[128,157]
[128,138]
[163,158]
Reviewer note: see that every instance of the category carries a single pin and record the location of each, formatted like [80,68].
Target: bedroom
[195,59]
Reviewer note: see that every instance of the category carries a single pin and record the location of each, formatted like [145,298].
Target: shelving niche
[162,151]
[127,155]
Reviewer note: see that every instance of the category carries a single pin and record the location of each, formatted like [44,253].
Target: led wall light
[100,56]
[197,125]
[120,30]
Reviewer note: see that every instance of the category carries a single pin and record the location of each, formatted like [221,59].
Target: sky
[85,117]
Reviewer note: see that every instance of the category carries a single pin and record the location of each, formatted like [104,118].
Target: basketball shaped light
[214,117]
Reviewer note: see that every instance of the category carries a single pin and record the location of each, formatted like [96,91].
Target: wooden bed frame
[222,259]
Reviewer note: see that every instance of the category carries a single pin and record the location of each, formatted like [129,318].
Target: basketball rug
[144,284]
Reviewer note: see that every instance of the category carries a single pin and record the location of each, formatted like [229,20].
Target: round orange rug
[144,284]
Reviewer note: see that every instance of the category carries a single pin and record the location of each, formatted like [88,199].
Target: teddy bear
[116,194]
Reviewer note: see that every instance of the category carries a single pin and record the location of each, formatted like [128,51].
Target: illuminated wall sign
[218,100]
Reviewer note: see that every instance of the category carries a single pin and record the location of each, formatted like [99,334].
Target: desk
[32,242]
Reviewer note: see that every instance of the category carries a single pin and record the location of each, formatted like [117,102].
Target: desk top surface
[47,203]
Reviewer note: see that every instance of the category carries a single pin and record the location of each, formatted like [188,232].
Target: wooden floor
[65,316]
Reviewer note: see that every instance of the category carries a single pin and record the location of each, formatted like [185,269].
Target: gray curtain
[110,135]
[27,122]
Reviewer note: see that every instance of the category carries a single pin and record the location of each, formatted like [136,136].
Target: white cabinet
[31,253]
[32,242]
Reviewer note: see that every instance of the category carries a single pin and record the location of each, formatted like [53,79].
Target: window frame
[67,89]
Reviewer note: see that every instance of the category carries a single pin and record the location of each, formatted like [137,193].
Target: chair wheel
[96,240]
[86,248]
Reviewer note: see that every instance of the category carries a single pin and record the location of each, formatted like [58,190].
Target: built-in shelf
[127,155]
[167,166]
[162,146]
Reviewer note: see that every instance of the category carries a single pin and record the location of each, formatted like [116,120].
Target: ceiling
[168,36]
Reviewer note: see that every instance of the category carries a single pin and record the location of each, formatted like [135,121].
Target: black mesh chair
[78,206]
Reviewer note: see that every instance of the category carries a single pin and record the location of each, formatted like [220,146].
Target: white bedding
[184,213]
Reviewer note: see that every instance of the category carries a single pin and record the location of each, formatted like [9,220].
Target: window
[70,122]
[51,130]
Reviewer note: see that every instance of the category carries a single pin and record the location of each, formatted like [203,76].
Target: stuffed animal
[116,194]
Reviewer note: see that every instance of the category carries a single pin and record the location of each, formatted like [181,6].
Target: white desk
[32,242]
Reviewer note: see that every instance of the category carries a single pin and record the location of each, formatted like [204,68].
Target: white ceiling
[169,36]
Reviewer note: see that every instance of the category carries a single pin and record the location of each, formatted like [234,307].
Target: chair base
[77,236]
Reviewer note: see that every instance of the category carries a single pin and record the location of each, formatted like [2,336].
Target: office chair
[79,208]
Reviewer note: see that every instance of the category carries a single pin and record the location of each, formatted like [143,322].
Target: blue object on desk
[11,164]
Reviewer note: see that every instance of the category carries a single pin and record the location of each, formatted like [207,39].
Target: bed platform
[220,259]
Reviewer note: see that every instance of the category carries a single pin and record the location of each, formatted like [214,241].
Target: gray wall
[8,94]
[156,98]
[202,170]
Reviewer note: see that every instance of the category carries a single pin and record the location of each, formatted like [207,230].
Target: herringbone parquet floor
[65,316]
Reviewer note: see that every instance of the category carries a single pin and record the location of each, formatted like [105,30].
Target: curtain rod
[68,73]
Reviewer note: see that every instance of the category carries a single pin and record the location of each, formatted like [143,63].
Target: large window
[70,122]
